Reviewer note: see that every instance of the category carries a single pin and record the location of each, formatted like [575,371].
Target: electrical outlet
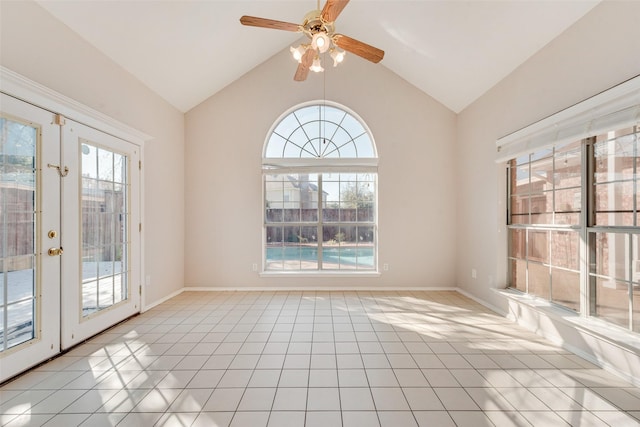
[385,267]
[474,273]
[254,267]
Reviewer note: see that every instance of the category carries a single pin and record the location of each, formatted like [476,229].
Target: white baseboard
[482,302]
[315,288]
[161,300]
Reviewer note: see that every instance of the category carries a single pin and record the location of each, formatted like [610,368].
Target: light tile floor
[325,359]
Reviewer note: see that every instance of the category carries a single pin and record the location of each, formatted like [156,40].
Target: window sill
[601,334]
[315,273]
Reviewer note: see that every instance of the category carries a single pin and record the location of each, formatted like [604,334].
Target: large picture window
[320,181]
[587,190]
[545,190]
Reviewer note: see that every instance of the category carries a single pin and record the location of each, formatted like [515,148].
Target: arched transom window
[320,197]
[320,131]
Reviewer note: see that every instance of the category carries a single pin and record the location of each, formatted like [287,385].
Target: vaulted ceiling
[187,50]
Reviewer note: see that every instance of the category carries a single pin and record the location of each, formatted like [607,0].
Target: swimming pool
[340,256]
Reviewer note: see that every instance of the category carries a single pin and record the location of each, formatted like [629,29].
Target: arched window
[320,192]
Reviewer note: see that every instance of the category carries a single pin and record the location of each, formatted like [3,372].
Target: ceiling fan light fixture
[297,52]
[321,42]
[316,67]
[338,56]
[318,27]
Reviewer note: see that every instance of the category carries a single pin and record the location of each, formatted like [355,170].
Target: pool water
[360,256]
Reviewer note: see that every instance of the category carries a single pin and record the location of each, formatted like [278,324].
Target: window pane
[542,154]
[538,248]
[291,214]
[348,257]
[275,146]
[20,327]
[517,243]
[348,247]
[612,301]
[565,289]
[319,131]
[89,161]
[614,203]
[520,179]
[105,165]
[364,146]
[542,175]
[614,159]
[518,274]
[635,260]
[348,212]
[365,254]
[567,218]
[539,280]
[21,278]
[612,255]
[520,209]
[18,246]
[104,232]
[331,235]
[568,169]
[366,236]
[636,308]
[274,212]
[274,248]
[568,204]
[542,208]
[106,298]
[565,249]
[119,168]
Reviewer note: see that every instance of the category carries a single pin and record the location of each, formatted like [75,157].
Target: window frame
[612,110]
[321,166]
[589,231]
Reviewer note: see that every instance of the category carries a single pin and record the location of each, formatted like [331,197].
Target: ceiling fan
[319,27]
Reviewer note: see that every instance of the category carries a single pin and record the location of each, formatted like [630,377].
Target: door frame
[75,326]
[31,92]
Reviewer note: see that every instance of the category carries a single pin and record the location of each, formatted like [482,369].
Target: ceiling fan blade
[268,23]
[303,67]
[332,9]
[359,48]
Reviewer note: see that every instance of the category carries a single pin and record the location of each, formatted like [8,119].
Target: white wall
[596,53]
[415,138]
[42,49]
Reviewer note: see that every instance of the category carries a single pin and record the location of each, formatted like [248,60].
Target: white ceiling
[187,50]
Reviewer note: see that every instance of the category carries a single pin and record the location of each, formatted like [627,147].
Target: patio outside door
[29,227]
[69,233]
[101,236]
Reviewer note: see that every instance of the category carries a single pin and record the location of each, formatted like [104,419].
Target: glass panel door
[101,228]
[29,227]
[104,228]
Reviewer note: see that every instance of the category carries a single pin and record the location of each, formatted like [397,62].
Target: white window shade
[616,108]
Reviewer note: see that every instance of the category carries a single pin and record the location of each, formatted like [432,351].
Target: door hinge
[139,164]
[59,120]
[140,290]
[140,227]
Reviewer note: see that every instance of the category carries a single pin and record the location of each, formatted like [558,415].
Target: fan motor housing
[313,23]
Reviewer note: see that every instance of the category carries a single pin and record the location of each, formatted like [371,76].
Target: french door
[69,213]
[29,214]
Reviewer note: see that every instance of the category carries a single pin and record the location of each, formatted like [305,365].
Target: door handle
[55,251]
